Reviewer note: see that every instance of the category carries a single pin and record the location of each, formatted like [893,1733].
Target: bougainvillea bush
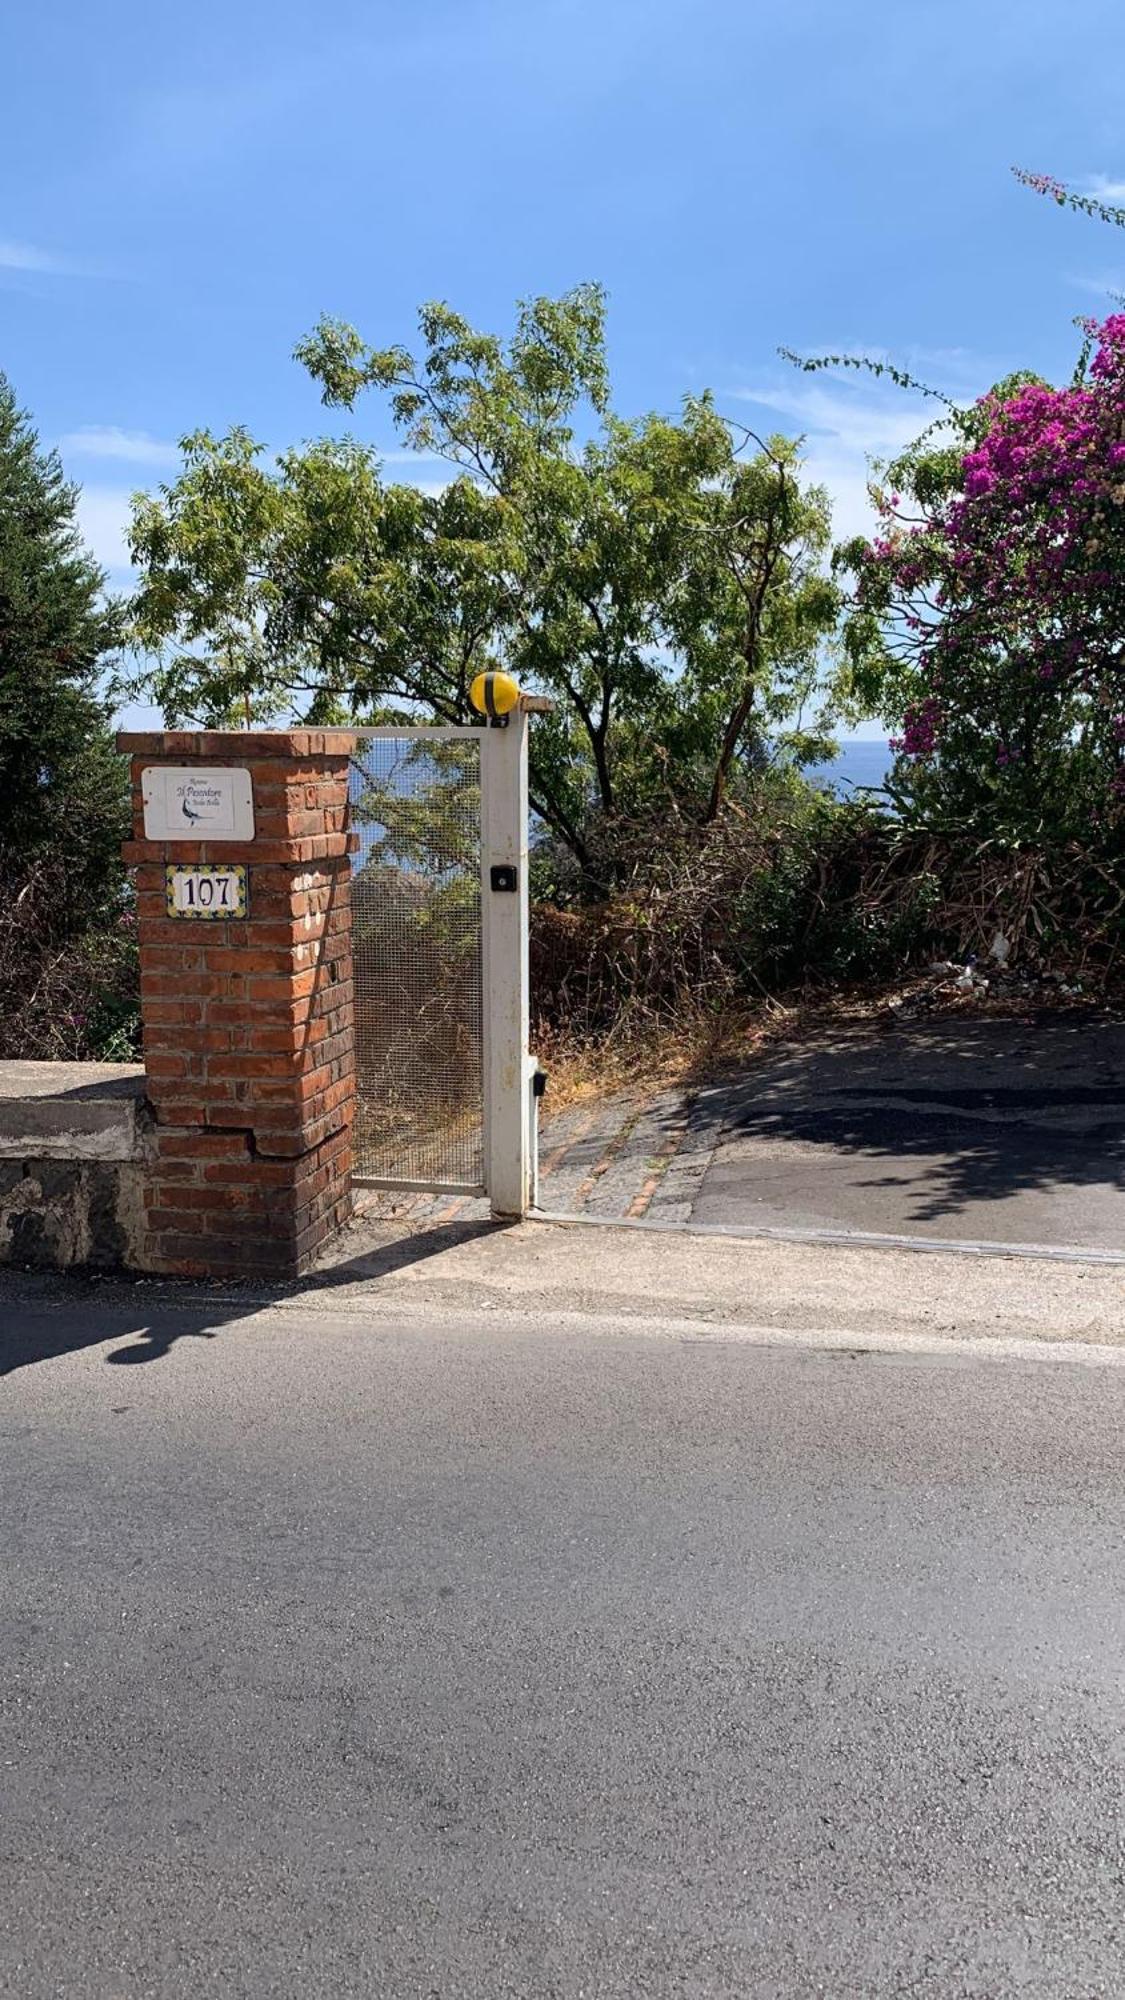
[989,610]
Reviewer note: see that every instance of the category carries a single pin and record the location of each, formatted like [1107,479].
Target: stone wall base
[61,1215]
[88,1180]
[75,1153]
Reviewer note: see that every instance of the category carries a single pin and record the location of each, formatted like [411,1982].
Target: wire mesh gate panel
[416,932]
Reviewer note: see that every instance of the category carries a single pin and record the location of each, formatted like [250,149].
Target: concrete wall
[75,1143]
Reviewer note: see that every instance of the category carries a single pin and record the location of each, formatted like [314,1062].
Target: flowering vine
[990,605]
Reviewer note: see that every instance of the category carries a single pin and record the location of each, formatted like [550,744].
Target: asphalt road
[353,1653]
[958,1128]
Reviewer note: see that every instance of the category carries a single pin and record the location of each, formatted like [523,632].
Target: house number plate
[218,891]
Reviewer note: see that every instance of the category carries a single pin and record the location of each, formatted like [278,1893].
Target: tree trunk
[731,735]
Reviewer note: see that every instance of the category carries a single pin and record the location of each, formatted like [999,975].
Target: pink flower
[920,726]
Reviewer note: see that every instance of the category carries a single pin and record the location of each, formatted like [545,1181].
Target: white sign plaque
[193,804]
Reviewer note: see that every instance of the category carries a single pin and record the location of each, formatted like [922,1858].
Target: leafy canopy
[663,579]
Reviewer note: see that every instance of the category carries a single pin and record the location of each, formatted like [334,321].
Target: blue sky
[184,190]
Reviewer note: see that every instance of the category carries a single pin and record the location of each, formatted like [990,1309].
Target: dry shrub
[68,993]
[809,896]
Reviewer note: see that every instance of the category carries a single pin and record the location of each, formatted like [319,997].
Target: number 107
[206,892]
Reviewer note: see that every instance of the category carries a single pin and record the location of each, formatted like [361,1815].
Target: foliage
[67,994]
[1081,204]
[768,896]
[807,895]
[63,789]
[662,579]
[986,614]
[422,814]
[68,974]
[419,825]
[991,608]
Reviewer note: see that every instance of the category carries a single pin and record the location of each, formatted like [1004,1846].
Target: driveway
[398,1639]
[950,1130]
[958,1129]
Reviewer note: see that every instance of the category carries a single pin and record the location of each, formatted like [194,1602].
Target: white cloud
[104,516]
[400,455]
[831,408]
[26,257]
[845,424]
[109,441]
[1103,285]
[22,257]
[1104,189]
[852,511]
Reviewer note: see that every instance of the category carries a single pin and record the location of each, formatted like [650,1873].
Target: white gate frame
[510,1104]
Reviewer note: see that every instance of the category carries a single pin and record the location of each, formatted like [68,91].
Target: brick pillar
[248,1023]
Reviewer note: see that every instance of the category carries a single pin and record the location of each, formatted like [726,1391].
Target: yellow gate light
[494,694]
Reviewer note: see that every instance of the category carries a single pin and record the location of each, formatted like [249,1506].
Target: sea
[860,762]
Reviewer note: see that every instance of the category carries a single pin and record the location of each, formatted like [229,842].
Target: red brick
[161,1062]
[164,984]
[166,1171]
[228,1146]
[177,1110]
[265,1173]
[294,987]
[241,1064]
[249,1025]
[163,958]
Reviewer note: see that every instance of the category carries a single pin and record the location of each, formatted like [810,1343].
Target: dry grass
[650,1054]
[646,1054]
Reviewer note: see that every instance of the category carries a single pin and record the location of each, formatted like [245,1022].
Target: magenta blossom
[1011,598]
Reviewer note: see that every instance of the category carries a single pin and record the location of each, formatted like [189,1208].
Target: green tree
[63,788]
[751,612]
[663,582]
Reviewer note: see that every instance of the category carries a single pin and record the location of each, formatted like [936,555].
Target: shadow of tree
[974,1111]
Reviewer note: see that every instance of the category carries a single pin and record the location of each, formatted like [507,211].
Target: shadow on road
[45,1316]
[959,1112]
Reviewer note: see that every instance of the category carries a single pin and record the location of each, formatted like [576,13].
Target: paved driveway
[949,1130]
[362,1649]
[956,1129]
[960,1129]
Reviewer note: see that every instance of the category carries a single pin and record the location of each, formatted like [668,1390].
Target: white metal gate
[440,940]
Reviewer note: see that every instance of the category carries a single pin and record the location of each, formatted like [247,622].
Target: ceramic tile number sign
[211,889]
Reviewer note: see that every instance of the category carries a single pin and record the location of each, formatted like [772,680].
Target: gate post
[249,1042]
[508,1111]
